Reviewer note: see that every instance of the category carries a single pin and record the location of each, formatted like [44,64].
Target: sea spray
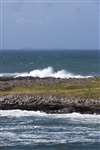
[46,72]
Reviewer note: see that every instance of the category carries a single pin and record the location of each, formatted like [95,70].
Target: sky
[49,24]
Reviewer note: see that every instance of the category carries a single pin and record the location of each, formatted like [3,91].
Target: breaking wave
[20,113]
[46,72]
[25,113]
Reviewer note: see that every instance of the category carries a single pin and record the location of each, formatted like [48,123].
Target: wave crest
[46,72]
[25,113]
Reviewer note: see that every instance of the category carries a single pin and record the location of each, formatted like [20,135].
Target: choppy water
[25,130]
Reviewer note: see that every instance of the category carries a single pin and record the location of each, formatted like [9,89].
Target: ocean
[29,130]
[63,64]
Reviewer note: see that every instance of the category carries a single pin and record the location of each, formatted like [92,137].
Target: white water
[25,113]
[29,128]
[46,72]
[20,113]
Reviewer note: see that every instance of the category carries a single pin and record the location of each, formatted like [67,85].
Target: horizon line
[30,49]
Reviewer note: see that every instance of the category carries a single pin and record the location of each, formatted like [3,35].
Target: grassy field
[90,89]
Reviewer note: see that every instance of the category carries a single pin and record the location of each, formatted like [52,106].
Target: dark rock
[49,104]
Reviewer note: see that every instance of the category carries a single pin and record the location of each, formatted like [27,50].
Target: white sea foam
[20,113]
[46,72]
[83,128]
[25,113]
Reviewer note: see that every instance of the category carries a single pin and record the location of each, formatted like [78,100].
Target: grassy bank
[86,89]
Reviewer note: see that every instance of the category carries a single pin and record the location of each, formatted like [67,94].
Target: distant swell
[46,72]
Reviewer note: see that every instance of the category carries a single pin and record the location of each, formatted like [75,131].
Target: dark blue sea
[29,130]
[62,63]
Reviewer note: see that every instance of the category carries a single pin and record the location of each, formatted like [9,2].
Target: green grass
[90,89]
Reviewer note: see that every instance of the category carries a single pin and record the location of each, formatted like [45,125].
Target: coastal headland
[50,95]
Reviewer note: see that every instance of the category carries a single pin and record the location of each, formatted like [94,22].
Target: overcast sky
[49,24]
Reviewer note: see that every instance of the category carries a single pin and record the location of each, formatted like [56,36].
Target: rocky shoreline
[50,104]
[47,103]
